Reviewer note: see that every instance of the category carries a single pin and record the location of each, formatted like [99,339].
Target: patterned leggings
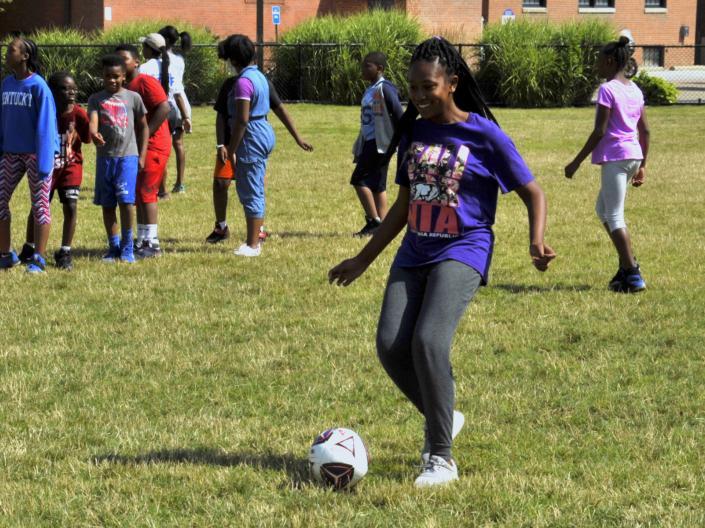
[12,168]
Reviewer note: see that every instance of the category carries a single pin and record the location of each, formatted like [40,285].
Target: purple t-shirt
[621,141]
[453,173]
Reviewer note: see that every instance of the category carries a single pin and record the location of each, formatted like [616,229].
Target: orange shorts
[224,171]
[149,179]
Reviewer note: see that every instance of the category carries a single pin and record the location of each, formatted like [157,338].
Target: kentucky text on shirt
[17,99]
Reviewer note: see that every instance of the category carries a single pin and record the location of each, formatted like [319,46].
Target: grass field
[185,391]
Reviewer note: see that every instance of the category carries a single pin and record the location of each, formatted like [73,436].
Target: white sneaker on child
[458,422]
[246,251]
[437,471]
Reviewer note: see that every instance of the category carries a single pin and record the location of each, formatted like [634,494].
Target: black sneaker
[617,282]
[218,235]
[369,229]
[26,254]
[63,260]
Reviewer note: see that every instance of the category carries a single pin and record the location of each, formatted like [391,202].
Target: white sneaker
[458,423]
[437,472]
[246,251]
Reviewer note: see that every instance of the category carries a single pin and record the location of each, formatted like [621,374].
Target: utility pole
[260,34]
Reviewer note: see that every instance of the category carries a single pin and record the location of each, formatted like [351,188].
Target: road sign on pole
[276,15]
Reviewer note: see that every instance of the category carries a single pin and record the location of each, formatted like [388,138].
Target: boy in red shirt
[158,150]
[68,166]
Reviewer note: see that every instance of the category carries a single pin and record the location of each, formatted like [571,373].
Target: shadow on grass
[295,468]
[532,288]
[308,234]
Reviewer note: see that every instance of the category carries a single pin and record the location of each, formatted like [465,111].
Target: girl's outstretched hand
[306,146]
[571,169]
[346,272]
[639,177]
[541,255]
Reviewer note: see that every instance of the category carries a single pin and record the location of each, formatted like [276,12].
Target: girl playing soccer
[29,140]
[619,144]
[452,162]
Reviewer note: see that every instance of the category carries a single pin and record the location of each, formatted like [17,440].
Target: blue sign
[507,12]
[276,15]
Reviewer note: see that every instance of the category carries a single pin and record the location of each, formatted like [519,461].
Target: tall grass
[333,73]
[63,49]
[532,64]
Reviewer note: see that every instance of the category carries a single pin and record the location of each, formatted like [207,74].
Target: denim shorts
[115,181]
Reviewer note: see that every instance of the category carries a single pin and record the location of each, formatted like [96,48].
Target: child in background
[619,144]
[119,129]
[223,174]
[452,162]
[150,178]
[252,138]
[68,168]
[168,67]
[29,141]
[380,112]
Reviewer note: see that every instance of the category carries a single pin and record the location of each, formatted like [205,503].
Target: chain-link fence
[296,71]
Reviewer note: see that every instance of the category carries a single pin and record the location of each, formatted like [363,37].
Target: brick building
[652,22]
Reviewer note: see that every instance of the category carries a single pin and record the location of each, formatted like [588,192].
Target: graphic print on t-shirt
[113,114]
[434,181]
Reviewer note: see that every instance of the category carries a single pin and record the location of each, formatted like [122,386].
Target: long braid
[467,96]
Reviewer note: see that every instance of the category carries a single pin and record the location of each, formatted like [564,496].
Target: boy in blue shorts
[119,129]
[379,116]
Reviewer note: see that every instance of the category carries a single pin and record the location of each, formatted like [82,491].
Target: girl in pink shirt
[619,143]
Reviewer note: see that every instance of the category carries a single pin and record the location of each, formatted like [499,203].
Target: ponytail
[467,96]
[621,51]
[185,40]
[164,71]
[172,36]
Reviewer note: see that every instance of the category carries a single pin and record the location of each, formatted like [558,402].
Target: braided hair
[31,49]
[467,96]
[621,52]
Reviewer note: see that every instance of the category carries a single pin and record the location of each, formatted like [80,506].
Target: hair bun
[623,41]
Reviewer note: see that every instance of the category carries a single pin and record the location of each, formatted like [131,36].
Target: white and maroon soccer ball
[338,458]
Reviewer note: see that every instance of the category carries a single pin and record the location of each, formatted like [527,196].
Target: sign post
[276,20]
[508,16]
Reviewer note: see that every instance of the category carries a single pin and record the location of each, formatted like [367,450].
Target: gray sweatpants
[420,312]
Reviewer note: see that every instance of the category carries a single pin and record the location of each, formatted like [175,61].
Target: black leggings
[421,310]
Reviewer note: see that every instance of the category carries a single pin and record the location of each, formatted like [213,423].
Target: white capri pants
[610,200]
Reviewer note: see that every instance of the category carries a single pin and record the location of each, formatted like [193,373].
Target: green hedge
[530,64]
[332,73]
[656,91]
[203,76]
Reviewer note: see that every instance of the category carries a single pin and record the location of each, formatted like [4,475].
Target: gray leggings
[421,310]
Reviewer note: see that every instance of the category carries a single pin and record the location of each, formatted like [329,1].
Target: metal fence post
[301,71]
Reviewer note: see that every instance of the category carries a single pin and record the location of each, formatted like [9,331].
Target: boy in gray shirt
[119,129]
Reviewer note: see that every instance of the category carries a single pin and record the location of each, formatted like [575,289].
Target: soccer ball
[338,458]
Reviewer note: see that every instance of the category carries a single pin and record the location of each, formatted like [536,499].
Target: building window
[596,3]
[534,3]
[656,3]
[653,56]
